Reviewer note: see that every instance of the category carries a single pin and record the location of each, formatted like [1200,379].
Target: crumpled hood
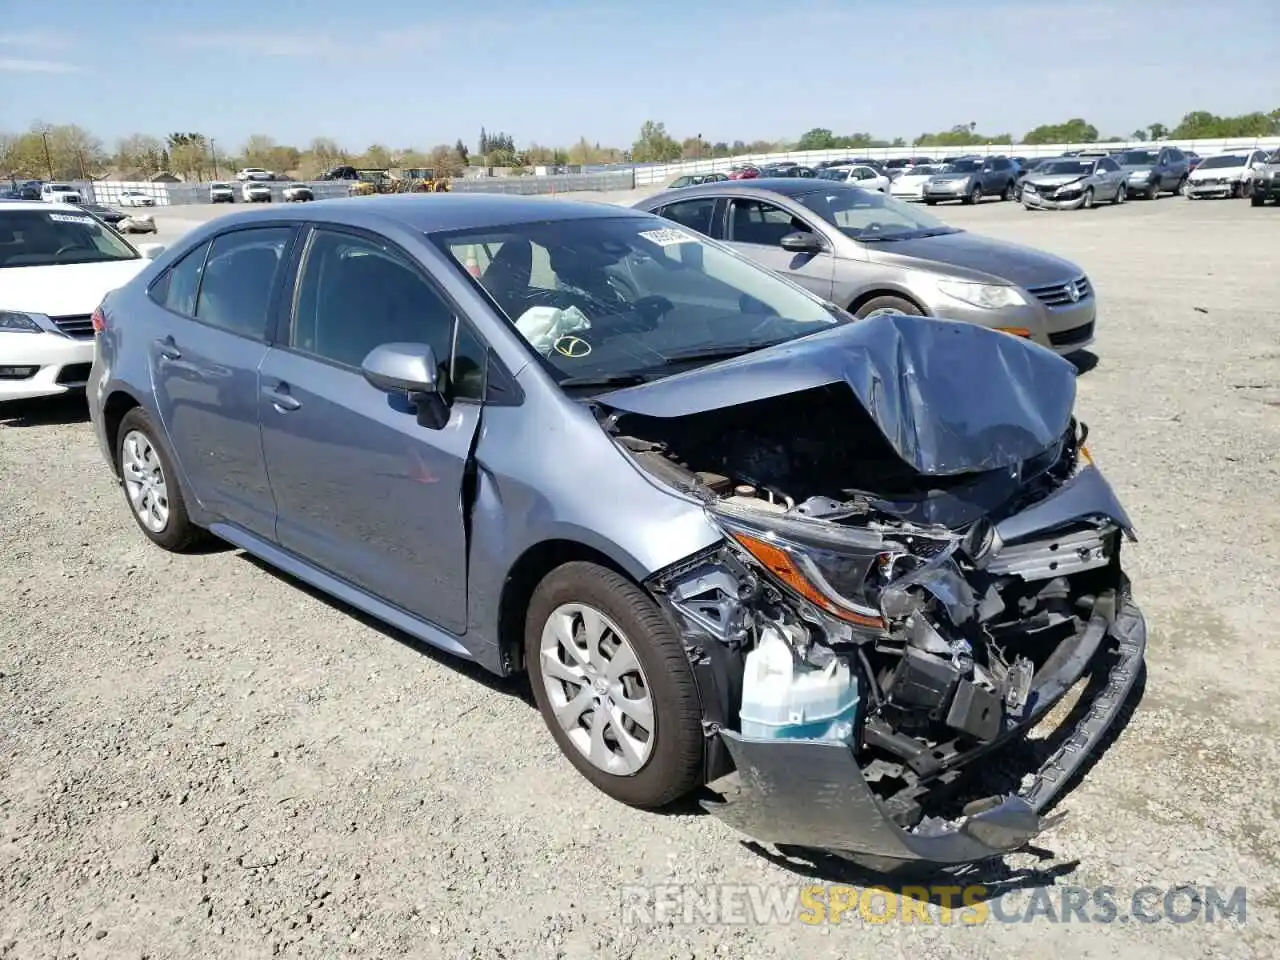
[949,397]
[1055,179]
[1217,173]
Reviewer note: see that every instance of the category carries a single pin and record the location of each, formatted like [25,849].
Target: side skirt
[339,589]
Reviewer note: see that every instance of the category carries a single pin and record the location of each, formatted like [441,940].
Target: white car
[909,185]
[253,191]
[55,268]
[1226,175]
[137,223]
[255,173]
[221,192]
[136,198]
[297,193]
[59,193]
[856,175]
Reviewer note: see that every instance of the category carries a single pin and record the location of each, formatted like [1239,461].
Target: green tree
[819,138]
[1138,134]
[139,151]
[1157,131]
[961,135]
[1074,130]
[654,144]
[376,156]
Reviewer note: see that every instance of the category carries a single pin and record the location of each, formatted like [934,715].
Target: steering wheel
[66,248]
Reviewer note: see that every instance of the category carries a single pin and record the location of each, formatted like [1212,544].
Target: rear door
[362,490]
[755,229]
[205,370]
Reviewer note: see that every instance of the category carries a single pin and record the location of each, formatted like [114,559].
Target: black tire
[931,203]
[179,534]
[675,765]
[1010,191]
[1257,200]
[888,302]
[1122,194]
[1086,201]
[974,196]
[1153,191]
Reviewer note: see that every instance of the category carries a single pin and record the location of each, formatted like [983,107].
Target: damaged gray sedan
[830,568]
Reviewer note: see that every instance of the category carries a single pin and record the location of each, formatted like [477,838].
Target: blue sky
[398,73]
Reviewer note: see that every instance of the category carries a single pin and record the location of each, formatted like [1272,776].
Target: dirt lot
[200,759]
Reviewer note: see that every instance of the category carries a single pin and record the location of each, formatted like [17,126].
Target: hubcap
[597,689]
[144,481]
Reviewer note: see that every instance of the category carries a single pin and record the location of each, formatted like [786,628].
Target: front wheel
[1257,200]
[1010,191]
[1153,190]
[1086,201]
[878,306]
[614,685]
[975,195]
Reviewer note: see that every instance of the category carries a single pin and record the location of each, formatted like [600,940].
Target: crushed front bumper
[1044,202]
[811,793]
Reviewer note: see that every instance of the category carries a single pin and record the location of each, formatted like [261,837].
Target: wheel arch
[118,403]
[870,295]
[523,578]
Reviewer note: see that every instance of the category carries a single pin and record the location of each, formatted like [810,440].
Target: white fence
[662,173]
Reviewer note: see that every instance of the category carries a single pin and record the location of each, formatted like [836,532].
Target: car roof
[761,187]
[439,212]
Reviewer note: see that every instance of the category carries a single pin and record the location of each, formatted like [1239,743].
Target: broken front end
[869,660]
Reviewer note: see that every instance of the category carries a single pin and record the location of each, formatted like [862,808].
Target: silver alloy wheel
[144,481]
[597,688]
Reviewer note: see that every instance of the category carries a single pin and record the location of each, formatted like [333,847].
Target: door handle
[280,398]
[168,349]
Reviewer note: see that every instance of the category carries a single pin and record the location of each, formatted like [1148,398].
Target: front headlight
[989,296]
[830,567]
[1139,174]
[13,322]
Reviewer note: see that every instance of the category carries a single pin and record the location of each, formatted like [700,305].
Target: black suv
[1266,185]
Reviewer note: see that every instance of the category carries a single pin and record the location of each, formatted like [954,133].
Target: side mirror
[411,369]
[801,241]
[150,251]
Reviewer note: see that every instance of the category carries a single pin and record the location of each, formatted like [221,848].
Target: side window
[753,221]
[1107,166]
[177,289]
[239,279]
[1002,164]
[694,214]
[355,294]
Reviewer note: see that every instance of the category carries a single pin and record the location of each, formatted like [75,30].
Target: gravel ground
[200,759]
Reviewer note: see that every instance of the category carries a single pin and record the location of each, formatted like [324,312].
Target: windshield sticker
[65,218]
[667,237]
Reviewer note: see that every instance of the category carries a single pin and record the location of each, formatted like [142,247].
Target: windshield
[1077,167]
[32,238]
[60,187]
[603,299]
[962,166]
[219,186]
[1214,163]
[1137,158]
[871,215]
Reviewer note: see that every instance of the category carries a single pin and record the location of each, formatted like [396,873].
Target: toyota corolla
[831,568]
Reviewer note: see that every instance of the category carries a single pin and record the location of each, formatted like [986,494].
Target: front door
[755,229]
[361,489]
[206,370]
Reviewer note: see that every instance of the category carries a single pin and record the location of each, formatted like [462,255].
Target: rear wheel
[151,485]
[614,685]
[878,306]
